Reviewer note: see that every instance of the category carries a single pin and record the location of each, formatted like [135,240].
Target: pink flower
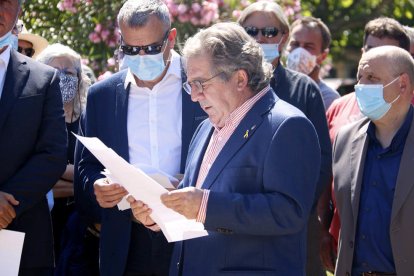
[104,34]
[196,7]
[105,75]
[98,28]
[236,14]
[182,8]
[94,37]
[111,61]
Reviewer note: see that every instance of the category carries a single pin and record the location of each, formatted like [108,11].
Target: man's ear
[171,38]
[404,85]
[242,79]
[322,56]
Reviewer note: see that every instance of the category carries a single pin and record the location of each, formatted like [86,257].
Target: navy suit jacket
[261,193]
[32,151]
[303,93]
[106,118]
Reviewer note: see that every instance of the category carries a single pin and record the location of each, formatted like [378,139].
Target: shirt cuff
[201,217]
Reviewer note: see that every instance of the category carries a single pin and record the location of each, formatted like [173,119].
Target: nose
[260,38]
[195,96]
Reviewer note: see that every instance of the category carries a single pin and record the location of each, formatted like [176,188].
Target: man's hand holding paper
[185,201]
[108,194]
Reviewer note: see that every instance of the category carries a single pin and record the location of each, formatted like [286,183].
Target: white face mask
[301,60]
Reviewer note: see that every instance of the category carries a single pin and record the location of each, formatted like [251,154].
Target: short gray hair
[231,49]
[266,6]
[135,13]
[58,50]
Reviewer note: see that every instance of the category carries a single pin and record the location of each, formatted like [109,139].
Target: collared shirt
[372,241]
[218,140]
[4,62]
[155,121]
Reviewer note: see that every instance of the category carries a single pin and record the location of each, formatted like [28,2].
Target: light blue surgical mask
[370,98]
[271,51]
[15,42]
[6,40]
[146,67]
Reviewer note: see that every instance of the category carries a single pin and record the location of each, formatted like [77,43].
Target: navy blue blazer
[106,118]
[303,93]
[261,193]
[32,151]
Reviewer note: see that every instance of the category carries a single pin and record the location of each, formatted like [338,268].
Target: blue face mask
[271,51]
[15,42]
[370,98]
[6,40]
[146,67]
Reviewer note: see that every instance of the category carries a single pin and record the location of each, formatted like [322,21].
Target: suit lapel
[243,133]
[358,154]
[404,180]
[15,81]
[121,113]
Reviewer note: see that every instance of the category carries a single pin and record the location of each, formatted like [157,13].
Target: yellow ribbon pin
[246,135]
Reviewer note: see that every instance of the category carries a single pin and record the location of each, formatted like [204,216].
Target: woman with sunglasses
[267,23]
[73,86]
[29,44]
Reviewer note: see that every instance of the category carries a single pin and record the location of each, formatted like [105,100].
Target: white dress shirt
[155,120]
[4,62]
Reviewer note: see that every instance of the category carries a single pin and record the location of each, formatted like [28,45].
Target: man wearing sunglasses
[32,146]
[259,20]
[146,117]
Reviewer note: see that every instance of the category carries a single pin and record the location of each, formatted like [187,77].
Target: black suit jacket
[32,151]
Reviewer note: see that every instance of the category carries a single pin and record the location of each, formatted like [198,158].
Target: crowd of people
[287,176]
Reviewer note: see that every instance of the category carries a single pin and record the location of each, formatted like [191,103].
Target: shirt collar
[400,136]
[173,70]
[239,113]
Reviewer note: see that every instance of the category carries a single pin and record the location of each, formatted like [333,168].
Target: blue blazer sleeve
[289,174]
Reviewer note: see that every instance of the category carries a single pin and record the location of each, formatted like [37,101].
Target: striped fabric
[217,142]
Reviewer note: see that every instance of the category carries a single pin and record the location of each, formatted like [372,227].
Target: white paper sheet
[11,246]
[174,226]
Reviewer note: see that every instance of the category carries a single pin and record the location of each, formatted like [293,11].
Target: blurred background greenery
[89,26]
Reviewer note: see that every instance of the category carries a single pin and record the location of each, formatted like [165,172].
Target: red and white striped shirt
[217,141]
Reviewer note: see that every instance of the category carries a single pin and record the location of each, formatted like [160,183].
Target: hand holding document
[11,246]
[174,226]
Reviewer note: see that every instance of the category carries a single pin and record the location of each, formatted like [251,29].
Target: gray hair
[231,49]
[135,13]
[265,6]
[58,50]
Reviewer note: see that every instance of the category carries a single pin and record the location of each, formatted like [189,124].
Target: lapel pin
[246,135]
[253,127]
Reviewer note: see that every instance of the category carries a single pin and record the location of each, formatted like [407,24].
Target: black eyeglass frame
[27,51]
[268,32]
[152,49]
[198,84]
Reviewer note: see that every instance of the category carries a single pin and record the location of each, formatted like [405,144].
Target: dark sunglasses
[27,51]
[266,32]
[148,50]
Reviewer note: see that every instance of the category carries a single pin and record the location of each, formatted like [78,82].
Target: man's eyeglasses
[196,87]
[26,51]
[148,49]
[266,31]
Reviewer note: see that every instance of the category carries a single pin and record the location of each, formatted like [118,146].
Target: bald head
[395,59]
